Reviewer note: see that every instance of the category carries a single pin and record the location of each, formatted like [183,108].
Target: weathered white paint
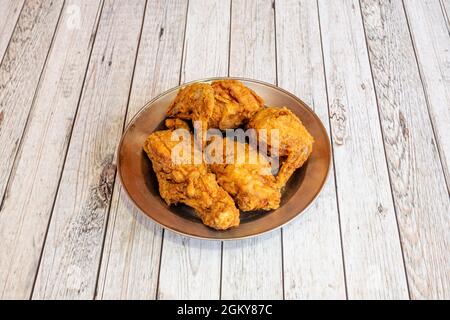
[9,14]
[417,179]
[132,250]
[431,38]
[20,72]
[26,211]
[71,256]
[401,95]
[313,267]
[371,245]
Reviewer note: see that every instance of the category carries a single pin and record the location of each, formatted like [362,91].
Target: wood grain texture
[67,229]
[25,213]
[190,268]
[418,184]
[19,76]
[9,14]
[71,255]
[371,244]
[132,251]
[431,39]
[252,46]
[313,267]
[445,5]
[252,269]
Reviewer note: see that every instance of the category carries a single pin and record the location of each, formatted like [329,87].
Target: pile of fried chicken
[217,190]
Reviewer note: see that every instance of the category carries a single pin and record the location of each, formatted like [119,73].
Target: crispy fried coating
[224,104]
[295,142]
[235,104]
[194,102]
[175,123]
[190,184]
[248,178]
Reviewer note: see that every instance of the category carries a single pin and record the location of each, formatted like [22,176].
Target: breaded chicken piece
[235,104]
[190,183]
[248,178]
[295,142]
[194,102]
[175,123]
[224,104]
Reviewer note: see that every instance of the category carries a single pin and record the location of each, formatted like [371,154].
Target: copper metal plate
[139,181]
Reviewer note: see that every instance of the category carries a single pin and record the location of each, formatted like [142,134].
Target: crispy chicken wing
[247,177]
[194,102]
[235,104]
[295,142]
[190,183]
[224,104]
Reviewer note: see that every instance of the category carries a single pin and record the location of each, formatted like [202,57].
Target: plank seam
[427,101]
[183,50]
[275,36]
[229,66]
[229,36]
[36,90]
[276,82]
[65,158]
[160,263]
[109,251]
[179,82]
[115,174]
[384,148]
[221,270]
[332,152]
[13,32]
[444,12]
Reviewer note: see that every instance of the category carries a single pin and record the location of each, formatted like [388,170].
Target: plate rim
[209,79]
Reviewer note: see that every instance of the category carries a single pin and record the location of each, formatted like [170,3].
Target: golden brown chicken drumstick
[224,104]
[190,183]
[295,142]
[247,178]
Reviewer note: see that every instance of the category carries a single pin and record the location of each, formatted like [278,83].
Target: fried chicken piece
[235,104]
[194,102]
[190,183]
[295,142]
[247,177]
[175,123]
[224,104]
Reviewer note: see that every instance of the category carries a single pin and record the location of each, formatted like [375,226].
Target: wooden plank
[71,256]
[190,268]
[313,267]
[26,211]
[252,269]
[445,5]
[20,72]
[372,253]
[9,14]
[418,183]
[252,47]
[431,40]
[132,250]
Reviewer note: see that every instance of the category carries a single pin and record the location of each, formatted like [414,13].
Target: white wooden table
[74,72]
